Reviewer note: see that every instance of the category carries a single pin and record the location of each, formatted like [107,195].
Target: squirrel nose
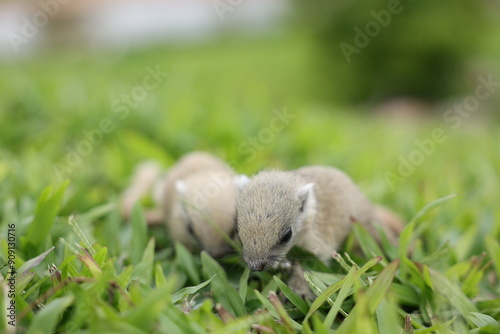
[257,266]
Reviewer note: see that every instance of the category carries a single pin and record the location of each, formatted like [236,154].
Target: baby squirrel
[196,199]
[312,207]
[198,196]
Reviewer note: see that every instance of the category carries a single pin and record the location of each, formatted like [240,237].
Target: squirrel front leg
[298,283]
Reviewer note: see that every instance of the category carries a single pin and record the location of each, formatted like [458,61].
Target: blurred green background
[375,50]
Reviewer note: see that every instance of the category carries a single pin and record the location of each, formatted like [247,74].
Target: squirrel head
[270,211]
[206,207]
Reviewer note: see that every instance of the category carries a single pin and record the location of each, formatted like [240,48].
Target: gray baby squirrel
[196,199]
[312,207]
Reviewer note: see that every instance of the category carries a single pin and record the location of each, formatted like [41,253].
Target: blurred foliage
[377,49]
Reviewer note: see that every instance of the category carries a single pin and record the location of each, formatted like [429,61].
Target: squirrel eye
[286,237]
[189,225]
[190,229]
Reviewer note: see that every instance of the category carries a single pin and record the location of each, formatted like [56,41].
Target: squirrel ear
[180,187]
[241,181]
[303,194]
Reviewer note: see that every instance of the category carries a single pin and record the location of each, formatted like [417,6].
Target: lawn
[74,126]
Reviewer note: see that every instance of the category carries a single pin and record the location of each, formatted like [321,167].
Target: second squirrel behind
[196,199]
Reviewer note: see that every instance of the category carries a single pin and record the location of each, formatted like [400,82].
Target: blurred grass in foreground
[220,100]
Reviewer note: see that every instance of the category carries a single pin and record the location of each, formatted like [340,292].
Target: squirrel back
[198,198]
[339,204]
[190,164]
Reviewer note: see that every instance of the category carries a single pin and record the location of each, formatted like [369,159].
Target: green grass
[113,276]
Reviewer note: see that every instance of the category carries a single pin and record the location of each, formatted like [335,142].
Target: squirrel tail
[145,181]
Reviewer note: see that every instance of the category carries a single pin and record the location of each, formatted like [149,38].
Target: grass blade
[47,208]
[407,235]
[47,319]
[189,290]
[90,263]
[453,293]
[377,291]
[283,314]
[144,270]
[368,302]
[185,260]
[494,251]
[78,231]
[367,243]
[387,318]
[24,269]
[292,296]
[485,322]
[408,328]
[244,284]
[223,292]
[359,319]
[160,279]
[344,291]
[325,295]
[139,233]
[275,313]
[144,315]
[430,206]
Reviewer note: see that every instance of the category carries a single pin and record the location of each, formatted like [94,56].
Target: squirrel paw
[300,286]
[284,264]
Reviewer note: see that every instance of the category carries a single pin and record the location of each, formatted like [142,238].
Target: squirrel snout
[257,265]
